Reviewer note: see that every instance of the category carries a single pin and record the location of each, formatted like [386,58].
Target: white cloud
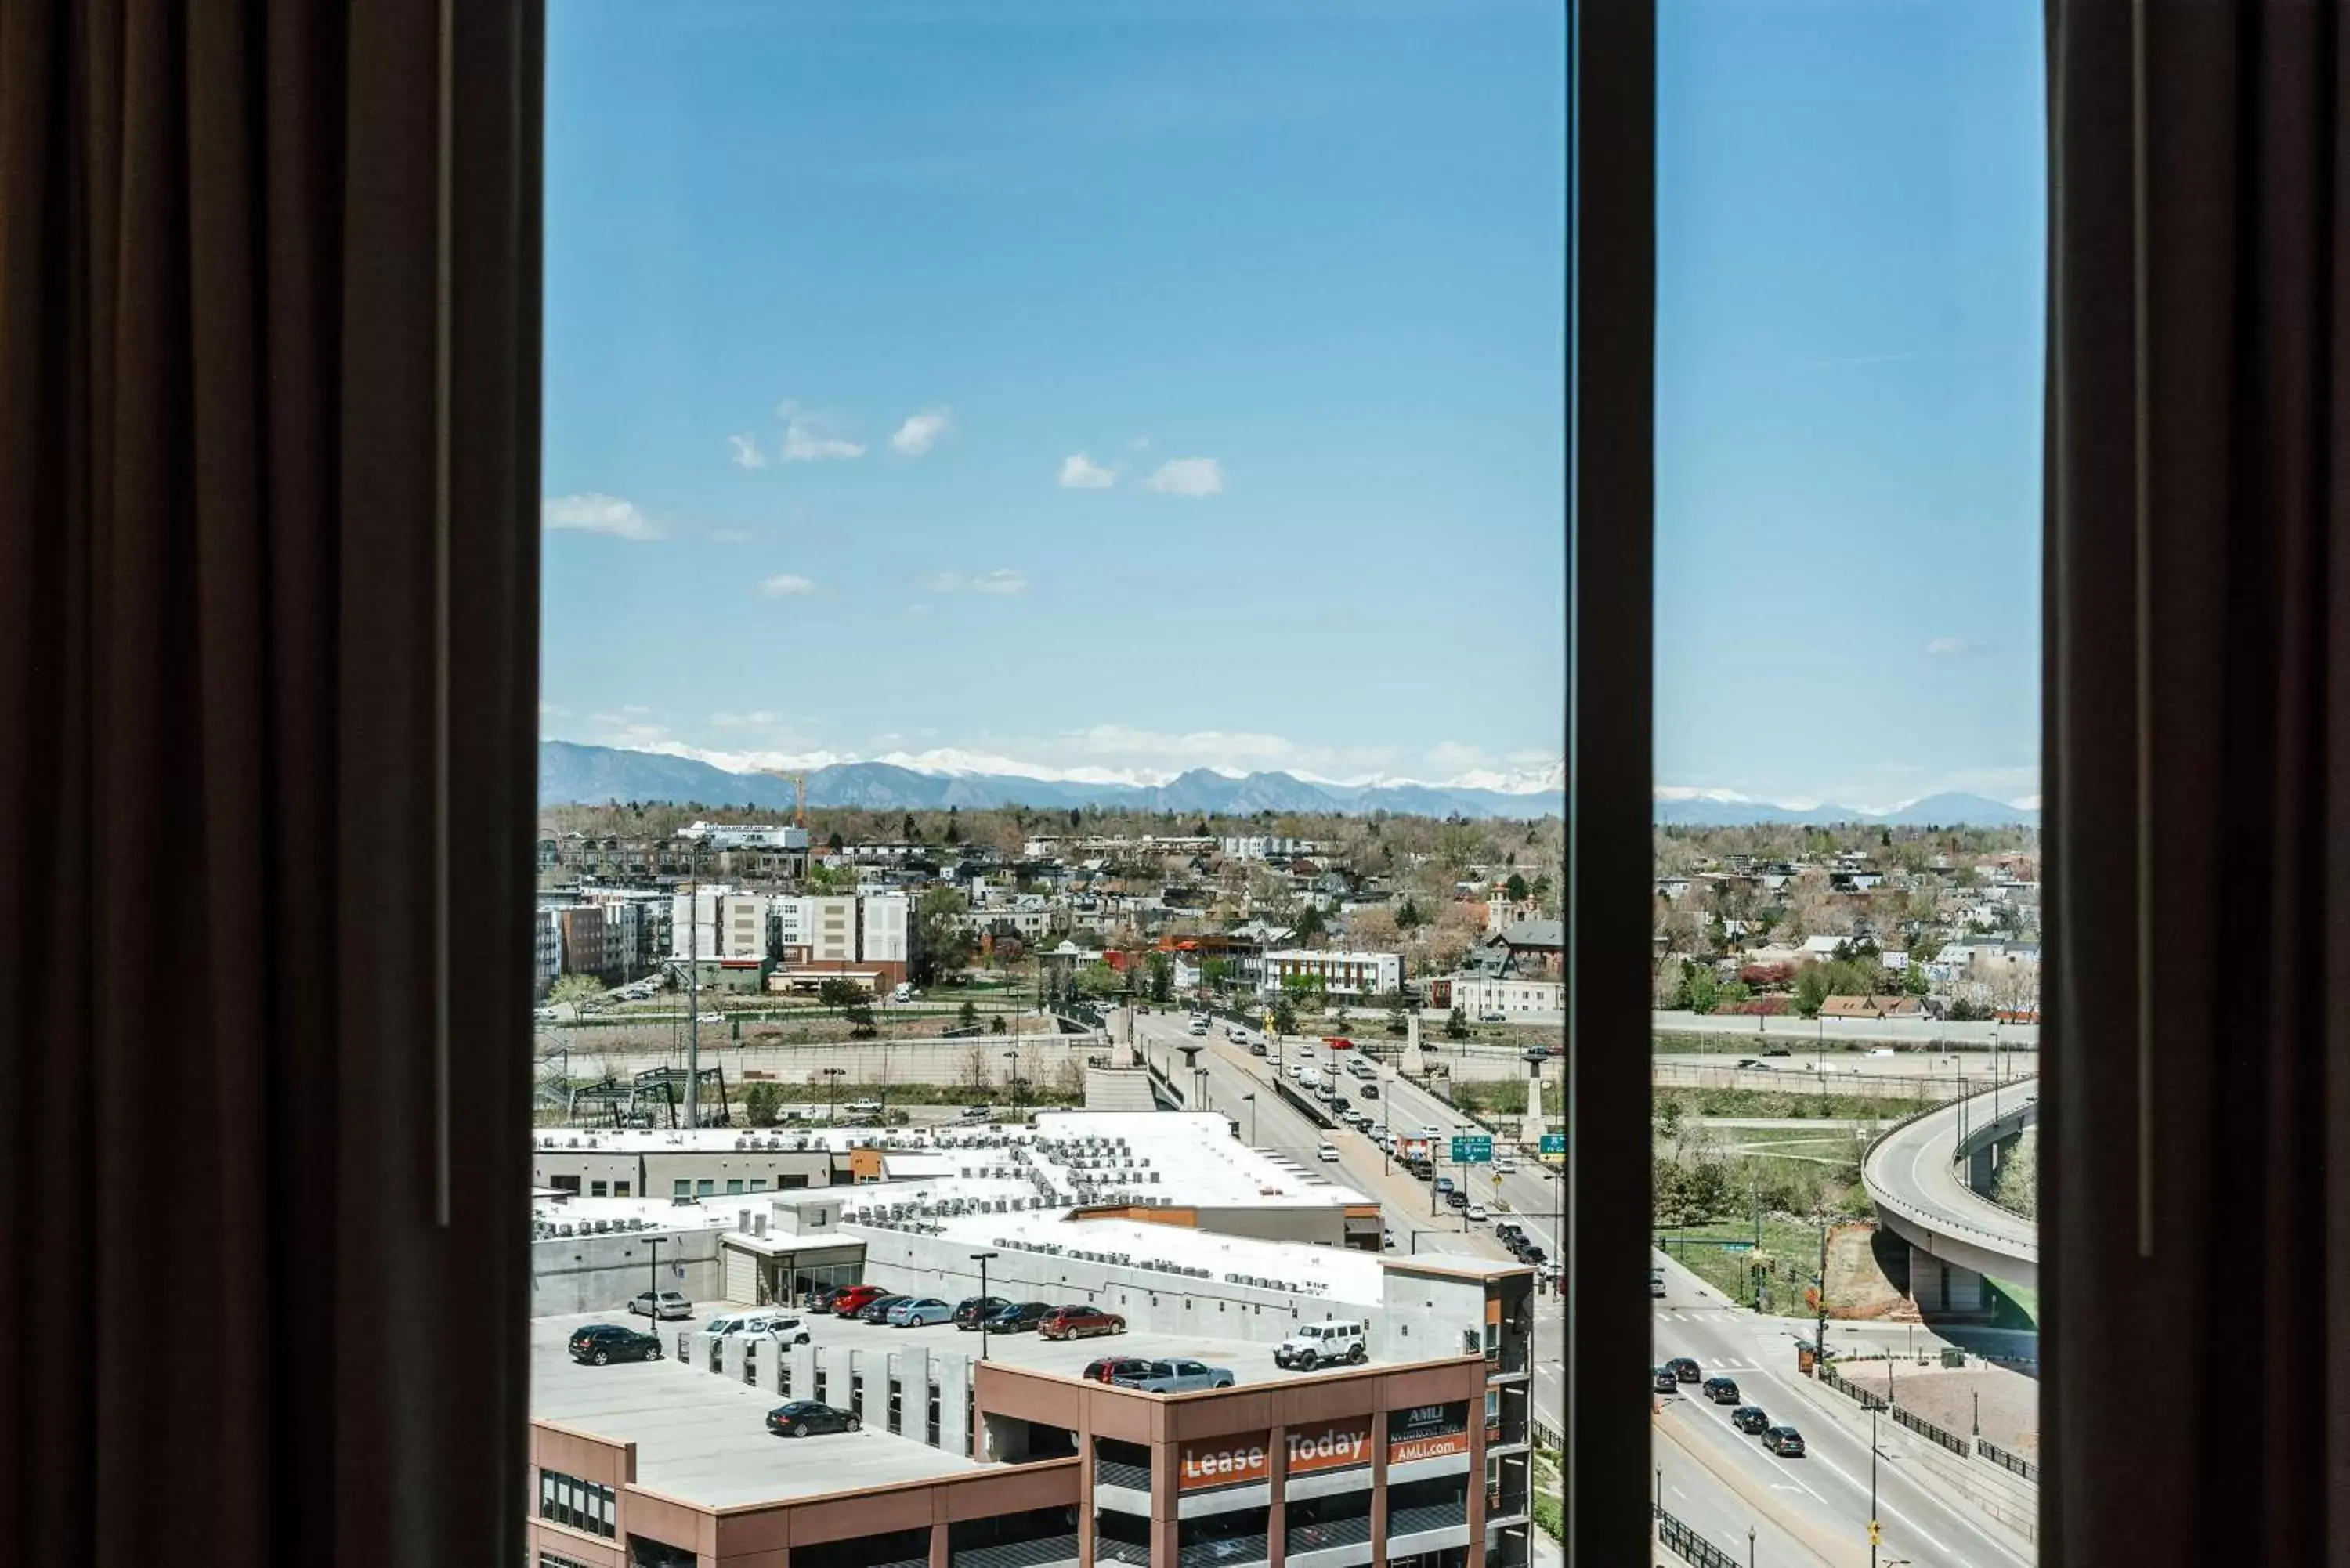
[2027,802]
[786,584]
[1077,473]
[747,452]
[758,720]
[1187,476]
[1002,581]
[730,535]
[1945,645]
[1139,443]
[594,514]
[915,436]
[549,711]
[807,438]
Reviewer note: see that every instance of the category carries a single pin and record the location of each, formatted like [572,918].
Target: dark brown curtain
[2197,1222]
[238,1330]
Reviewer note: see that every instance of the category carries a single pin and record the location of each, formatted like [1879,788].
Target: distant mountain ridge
[574,774]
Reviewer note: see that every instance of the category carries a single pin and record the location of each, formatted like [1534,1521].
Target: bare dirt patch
[1858,1286]
[2010,1401]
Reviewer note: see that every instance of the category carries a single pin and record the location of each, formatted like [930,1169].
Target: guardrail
[1930,1432]
[1689,1545]
[2006,1461]
[1831,1379]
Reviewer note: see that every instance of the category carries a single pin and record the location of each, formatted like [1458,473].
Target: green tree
[968,1014]
[1398,1022]
[1811,989]
[2018,1185]
[1098,979]
[942,945]
[1516,888]
[836,843]
[1915,981]
[995,1025]
[1456,1025]
[575,988]
[1285,1015]
[1704,987]
[761,1102]
[1162,977]
[1311,921]
[1409,917]
[860,1022]
[839,992]
[1217,973]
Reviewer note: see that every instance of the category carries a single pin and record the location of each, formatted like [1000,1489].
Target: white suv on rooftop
[1323,1344]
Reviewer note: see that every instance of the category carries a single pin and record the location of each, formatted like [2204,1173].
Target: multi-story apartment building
[744,920]
[586,945]
[546,962]
[1341,974]
[693,923]
[816,928]
[885,933]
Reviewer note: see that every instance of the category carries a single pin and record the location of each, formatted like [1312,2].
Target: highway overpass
[1928,1176]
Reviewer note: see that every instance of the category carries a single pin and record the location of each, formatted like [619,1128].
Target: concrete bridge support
[1944,1290]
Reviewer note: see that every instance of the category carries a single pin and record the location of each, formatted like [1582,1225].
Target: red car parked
[1079,1322]
[855,1300]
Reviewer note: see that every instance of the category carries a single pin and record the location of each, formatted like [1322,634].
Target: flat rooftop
[702,1437]
[1348,1281]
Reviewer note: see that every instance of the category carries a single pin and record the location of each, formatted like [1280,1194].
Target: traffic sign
[1553,1143]
[1473,1148]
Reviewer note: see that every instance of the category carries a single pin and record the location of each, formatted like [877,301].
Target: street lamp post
[980,1259]
[1012,1075]
[832,1094]
[1750,1546]
[1872,1488]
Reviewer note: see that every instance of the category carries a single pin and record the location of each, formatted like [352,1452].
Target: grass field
[1790,1250]
[1785,1103]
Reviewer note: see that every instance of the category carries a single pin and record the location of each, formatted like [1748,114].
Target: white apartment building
[887,934]
[693,923]
[745,835]
[742,921]
[1262,846]
[546,931]
[1478,994]
[1343,973]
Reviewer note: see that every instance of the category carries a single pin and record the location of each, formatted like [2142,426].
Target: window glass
[1850,339]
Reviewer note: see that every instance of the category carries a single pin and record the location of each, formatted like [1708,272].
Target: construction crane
[799,785]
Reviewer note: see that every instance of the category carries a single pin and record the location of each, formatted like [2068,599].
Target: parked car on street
[1078,1323]
[1750,1419]
[599,1343]
[1684,1369]
[971,1309]
[1785,1441]
[1021,1317]
[804,1417]
[1723,1390]
[1179,1377]
[663,1305]
[918,1312]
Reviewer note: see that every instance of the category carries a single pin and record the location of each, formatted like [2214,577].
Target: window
[1849,361]
[734,1186]
[564,1183]
[705,1187]
[683,1187]
[620,1190]
[597,1189]
[577,1504]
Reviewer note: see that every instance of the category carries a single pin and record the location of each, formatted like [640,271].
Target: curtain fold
[240,1335]
[2198,894]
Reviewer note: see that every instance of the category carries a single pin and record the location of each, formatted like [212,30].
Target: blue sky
[1125,388]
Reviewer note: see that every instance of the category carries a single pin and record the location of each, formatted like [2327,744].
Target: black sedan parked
[801,1418]
[1020,1318]
[1785,1441]
[1682,1367]
[1750,1419]
[600,1343]
[1723,1390]
[971,1309]
[878,1309]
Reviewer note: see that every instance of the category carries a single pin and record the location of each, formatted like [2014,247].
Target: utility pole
[694,988]
[984,1311]
[1820,1330]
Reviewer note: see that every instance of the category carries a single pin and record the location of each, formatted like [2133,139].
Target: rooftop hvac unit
[563,1229]
[573,1143]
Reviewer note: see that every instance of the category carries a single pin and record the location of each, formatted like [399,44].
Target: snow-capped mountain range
[570,773]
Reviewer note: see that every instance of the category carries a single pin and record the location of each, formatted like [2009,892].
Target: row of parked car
[871,1304]
[1780,1439]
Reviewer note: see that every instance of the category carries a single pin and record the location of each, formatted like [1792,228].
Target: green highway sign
[1553,1143]
[1473,1148]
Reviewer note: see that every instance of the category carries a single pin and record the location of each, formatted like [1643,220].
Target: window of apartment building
[598,1189]
[705,1187]
[683,1187]
[734,1186]
[564,1183]
[620,1190]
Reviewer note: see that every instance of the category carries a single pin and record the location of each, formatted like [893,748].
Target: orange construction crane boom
[799,787]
